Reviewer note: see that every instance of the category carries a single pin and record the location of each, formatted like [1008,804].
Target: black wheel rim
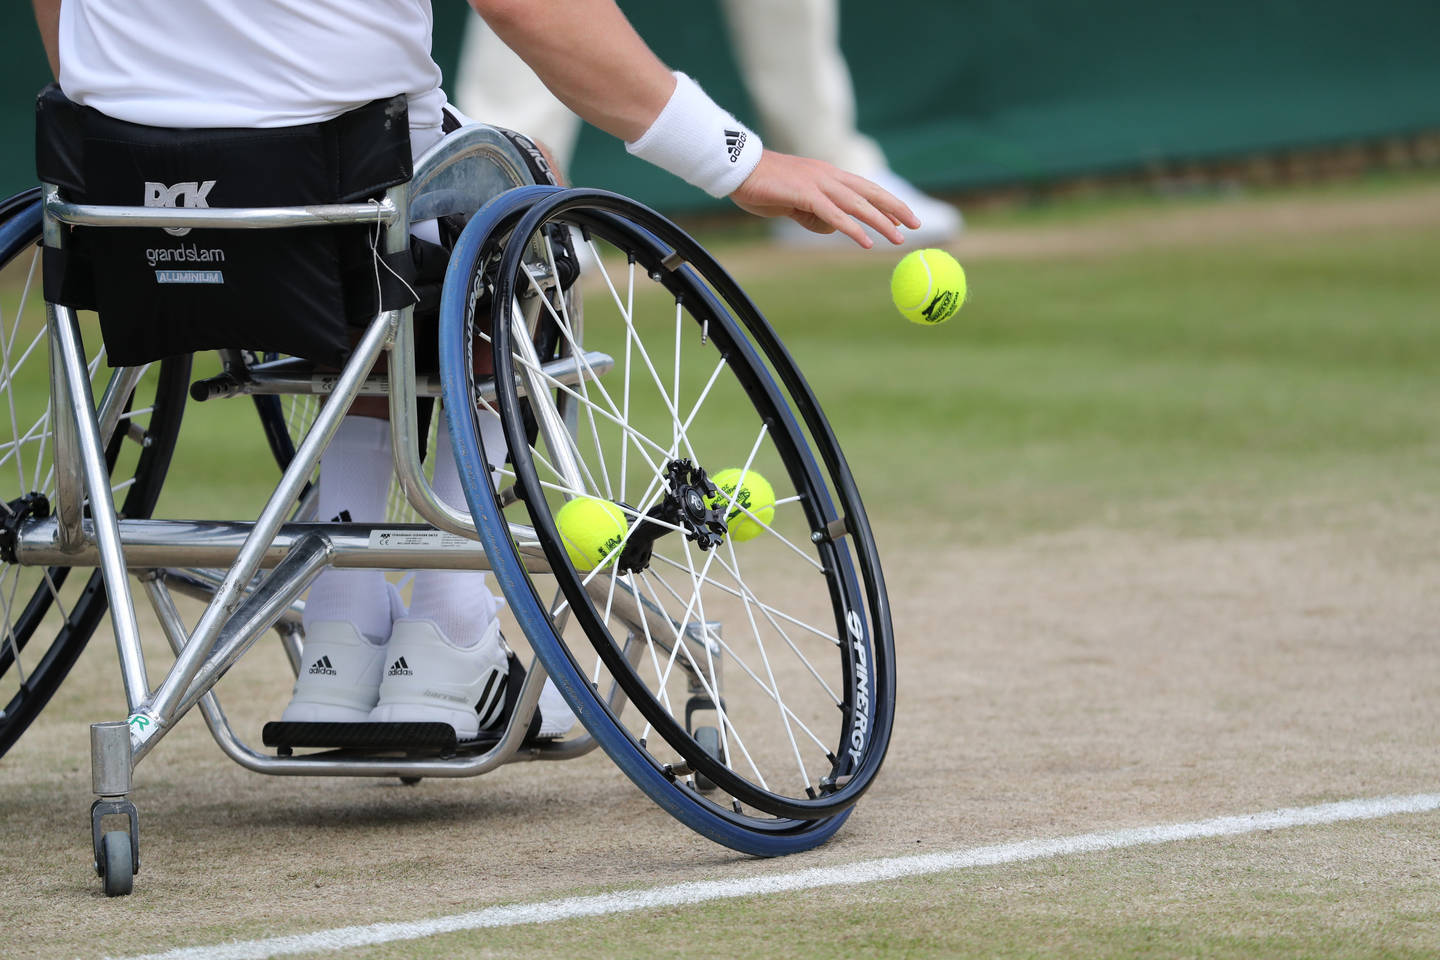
[868,687]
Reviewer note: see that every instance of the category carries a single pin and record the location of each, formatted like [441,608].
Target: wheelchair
[745,684]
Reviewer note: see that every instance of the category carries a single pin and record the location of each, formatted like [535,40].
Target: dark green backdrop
[975,92]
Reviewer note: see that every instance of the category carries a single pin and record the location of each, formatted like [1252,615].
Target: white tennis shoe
[428,679]
[556,718]
[339,675]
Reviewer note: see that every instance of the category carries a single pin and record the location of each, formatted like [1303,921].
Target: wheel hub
[13,515]
[686,504]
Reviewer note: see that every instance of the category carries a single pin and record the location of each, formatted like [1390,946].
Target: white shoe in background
[556,718]
[339,677]
[428,679]
[940,222]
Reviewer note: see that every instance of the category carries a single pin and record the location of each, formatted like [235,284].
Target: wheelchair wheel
[764,632]
[48,614]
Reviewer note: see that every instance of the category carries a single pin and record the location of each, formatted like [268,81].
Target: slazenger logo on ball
[941,308]
[861,724]
[187,194]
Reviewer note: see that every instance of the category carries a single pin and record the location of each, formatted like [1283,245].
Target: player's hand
[821,197]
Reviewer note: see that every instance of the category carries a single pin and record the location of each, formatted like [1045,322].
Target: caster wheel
[709,740]
[116,867]
[410,781]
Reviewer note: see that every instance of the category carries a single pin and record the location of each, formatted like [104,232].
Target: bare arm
[590,57]
[47,18]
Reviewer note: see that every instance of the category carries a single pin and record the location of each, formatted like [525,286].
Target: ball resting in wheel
[746,497]
[592,530]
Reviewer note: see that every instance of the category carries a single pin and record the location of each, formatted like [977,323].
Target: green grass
[221,459]
[1105,198]
[723,231]
[1335,892]
[1070,391]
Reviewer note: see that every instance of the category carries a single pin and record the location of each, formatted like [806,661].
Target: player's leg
[348,613]
[445,661]
[442,659]
[795,72]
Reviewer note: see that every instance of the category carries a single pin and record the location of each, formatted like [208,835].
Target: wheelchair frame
[476,162]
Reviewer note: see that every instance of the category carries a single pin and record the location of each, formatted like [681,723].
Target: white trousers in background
[789,56]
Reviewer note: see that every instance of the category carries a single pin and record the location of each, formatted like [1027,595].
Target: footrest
[426,738]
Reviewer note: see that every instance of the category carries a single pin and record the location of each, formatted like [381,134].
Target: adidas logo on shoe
[735,144]
[323,666]
[401,669]
[340,676]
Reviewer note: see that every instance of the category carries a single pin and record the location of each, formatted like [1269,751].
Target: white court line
[865,871]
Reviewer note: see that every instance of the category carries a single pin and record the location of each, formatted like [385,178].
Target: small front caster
[117,863]
[117,852]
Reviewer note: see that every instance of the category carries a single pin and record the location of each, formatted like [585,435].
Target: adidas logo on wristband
[735,144]
[683,138]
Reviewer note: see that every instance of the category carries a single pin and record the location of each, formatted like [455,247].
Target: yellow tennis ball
[591,530]
[928,287]
[754,494]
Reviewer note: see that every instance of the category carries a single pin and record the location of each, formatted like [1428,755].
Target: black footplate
[411,739]
[418,738]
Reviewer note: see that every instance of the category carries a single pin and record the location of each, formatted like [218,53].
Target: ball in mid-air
[591,530]
[928,286]
[753,493]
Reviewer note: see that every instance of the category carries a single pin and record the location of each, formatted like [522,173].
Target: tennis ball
[928,287]
[755,495]
[591,529]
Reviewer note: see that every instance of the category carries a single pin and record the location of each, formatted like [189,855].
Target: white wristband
[699,141]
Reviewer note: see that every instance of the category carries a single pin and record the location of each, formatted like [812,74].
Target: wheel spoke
[708,688]
[776,724]
[769,691]
[785,713]
[746,594]
[8,601]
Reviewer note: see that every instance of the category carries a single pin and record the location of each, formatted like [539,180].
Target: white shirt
[249,63]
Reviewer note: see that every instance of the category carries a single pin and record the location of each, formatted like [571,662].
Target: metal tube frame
[162,710]
[214,544]
[241,607]
[290,377]
[69,485]
[239,610]
[65,340]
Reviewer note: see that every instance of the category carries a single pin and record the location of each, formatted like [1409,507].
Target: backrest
[162,292]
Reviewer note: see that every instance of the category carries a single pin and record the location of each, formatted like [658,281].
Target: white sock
[355,476]
[457,601]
